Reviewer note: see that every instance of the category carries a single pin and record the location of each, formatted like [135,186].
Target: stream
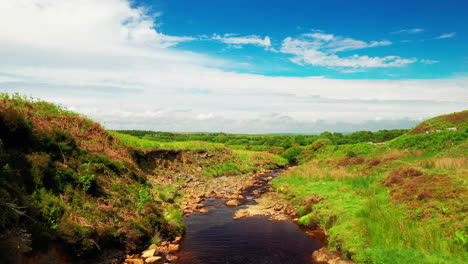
[215,237]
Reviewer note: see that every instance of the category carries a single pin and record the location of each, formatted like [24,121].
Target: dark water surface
[216,238]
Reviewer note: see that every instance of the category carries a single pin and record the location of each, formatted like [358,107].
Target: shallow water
[216,238]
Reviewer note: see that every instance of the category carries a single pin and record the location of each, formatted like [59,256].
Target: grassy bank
[64,178]
[398,203]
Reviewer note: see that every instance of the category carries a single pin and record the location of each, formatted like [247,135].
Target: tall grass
[360,216]
[390,232]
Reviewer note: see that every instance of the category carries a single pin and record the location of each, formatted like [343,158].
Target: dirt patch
[397,176]
[159,158]
[350,161]
[422,188]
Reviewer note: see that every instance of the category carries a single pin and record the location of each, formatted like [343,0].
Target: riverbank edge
[195,192]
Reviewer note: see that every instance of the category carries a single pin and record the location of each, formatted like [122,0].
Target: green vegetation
[266,142]
[64,178]
[443,122]
[403,200]
[217,160]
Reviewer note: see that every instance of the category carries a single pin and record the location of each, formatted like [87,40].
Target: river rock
[232,203]
[134,261]
[173,247]
[176,240]
[200,205]
[153,246]
[172,258]
[148,253]
[188,211]
[153,259]
[203,210]
[324,255]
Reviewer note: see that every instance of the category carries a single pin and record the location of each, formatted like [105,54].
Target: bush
[292,153]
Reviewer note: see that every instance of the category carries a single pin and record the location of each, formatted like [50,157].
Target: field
[404,200]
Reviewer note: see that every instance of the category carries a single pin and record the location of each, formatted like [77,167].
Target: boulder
[203,210]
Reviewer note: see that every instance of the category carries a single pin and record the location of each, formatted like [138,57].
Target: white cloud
[429,61]
[202,116]
[447,35]
[409,31]
[102,59]
[237,42]
[82,24]
[320,49]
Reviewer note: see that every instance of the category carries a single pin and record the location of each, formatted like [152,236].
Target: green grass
[135,141]
[434,142]
[458,120]
[62,177]
[368,224]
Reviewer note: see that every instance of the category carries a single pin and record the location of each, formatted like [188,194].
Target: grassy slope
[401,201]
[457,120]
[63,177]
[225,162]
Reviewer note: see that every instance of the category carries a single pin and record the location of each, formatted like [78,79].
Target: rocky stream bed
[240,220]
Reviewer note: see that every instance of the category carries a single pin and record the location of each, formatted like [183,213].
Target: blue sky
[412,26]
[239,66]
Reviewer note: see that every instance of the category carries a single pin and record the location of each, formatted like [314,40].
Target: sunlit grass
[364,221]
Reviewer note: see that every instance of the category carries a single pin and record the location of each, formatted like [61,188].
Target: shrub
[292,153]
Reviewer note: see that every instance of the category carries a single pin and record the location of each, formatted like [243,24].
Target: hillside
[458,120]
[66,179]
[403,200]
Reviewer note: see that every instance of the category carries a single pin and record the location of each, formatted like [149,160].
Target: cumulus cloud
[107,60]
[447,35]
[80,24]
[238,41]
[320,49]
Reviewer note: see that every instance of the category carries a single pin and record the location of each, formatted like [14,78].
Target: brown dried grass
[396,177]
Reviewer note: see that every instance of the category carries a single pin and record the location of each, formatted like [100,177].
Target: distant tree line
[271,140]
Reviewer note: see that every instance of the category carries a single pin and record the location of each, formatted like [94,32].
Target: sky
[239,66]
